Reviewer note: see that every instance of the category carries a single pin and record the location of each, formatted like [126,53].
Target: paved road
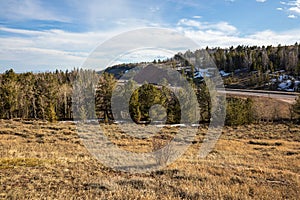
[282,96]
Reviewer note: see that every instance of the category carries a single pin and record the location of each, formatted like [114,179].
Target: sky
[37,35]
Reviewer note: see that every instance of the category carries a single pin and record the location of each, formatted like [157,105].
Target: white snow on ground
[224,74]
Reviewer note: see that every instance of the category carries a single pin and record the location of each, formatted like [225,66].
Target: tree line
[53,96]
[71,95]
[239,111]
[255,58]
[60,95]
[45,96]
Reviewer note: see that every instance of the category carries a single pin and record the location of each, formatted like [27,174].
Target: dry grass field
[41,160]
[268,109]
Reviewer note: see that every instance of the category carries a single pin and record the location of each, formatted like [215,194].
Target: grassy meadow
[42,160]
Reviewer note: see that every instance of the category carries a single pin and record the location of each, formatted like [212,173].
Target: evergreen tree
[239,111]
[204,101]
[296,107]
[105,87]
[9,90]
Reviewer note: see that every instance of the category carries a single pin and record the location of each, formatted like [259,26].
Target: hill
[269,68]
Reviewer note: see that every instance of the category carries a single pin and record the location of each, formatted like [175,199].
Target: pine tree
[296,107]
[104,90]
[9,90]
[204,101]
[134,107]
[51,115]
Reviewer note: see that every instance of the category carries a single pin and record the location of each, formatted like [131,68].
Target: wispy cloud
[295,10]
[46,49]
[40,34]
[222,34]
[259,38]
[63,49]
[91,15]
[52,49]
[197,17]
[292,16]
[189,3]
[292,7]
[261,1]
[28,9]
[216,28]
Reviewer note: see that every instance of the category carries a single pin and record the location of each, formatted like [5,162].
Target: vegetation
[105,87]
[258,58]
[204,102]
[241,58]
[296,107]
[50,95]
[239,111]
[41,160]
[45,96]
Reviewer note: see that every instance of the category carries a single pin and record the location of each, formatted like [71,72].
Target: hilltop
[243,67]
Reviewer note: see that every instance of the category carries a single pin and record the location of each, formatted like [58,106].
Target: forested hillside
[251,58]
[37,96]
[48,95]
[258,58]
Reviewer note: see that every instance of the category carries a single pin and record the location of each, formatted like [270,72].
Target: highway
[289,97]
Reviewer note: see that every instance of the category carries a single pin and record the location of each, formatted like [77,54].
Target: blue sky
[38,35]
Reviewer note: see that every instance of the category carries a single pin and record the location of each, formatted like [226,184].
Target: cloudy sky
[38,35]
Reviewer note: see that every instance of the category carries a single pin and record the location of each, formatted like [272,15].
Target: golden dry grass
[40,160]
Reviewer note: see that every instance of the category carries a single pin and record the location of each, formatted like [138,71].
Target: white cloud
[190,23]
[294,3]
[154,9]
[44,49]
[295,10]
[292,7]
[215,28]
[56,39]
[197,17]
[223,34]
[28,9]
[292,16]
[261,1]
[224,27]
[146,55]
[96,14]
[279,8]
[21,31]
[62,49]
[92,15]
